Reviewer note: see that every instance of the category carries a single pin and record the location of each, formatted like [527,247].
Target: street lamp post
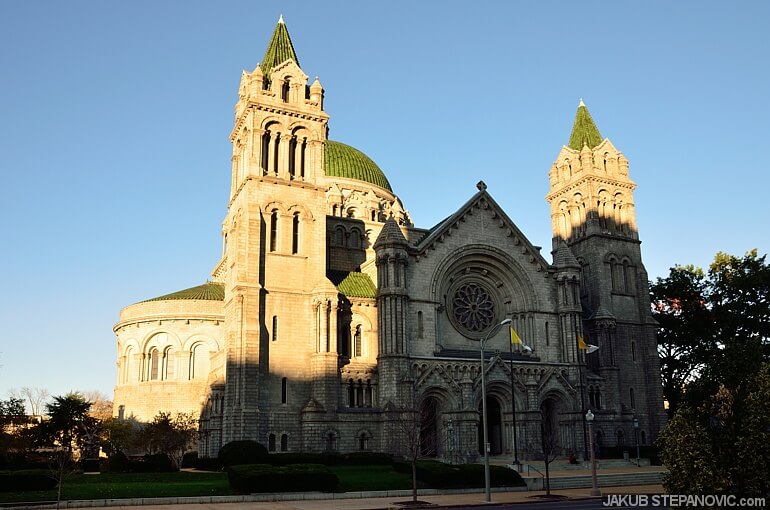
[636,433]
[594,486]
[487,490]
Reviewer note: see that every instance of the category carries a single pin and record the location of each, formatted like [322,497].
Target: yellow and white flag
[515,337]
[586,347]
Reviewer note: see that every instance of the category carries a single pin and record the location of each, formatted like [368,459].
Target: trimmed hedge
[242,452]
[438,475]
[331,459]
[249,478]
[208,464]
[26,480]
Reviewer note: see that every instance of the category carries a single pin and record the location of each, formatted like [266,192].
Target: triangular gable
[482,201]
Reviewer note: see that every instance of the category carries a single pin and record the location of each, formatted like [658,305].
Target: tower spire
[584,131]
[280,48]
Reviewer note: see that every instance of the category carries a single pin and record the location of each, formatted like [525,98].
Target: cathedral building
[331,318]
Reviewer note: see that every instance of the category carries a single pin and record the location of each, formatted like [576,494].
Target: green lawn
[150,485]
[131,485]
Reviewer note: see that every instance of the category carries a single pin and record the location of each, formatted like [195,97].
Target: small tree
[170,435]
[13,428]
[549,445]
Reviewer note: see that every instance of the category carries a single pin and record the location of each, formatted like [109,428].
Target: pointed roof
[584,131]
[280,48]
[564,258]
[390,235]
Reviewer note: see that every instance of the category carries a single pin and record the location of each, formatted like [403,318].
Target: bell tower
[274,243]
[592,212]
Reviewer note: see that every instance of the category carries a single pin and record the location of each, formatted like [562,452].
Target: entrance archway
[429,421]
[494,427]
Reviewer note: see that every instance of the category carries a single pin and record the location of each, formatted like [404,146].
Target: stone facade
[337,319]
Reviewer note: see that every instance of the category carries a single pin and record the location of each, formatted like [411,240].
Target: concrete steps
[560,481]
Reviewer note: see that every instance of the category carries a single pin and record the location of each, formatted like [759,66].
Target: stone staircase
[536,481]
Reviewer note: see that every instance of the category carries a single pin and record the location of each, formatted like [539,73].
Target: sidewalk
[392,502]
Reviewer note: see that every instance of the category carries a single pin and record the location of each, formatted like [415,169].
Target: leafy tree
[13,428]
[714,327]
[170,435]
[118,435]
[68,424]
[723,446]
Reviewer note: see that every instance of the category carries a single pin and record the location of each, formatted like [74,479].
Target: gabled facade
[330,314]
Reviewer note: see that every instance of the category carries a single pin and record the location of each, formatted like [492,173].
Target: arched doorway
[429,421]
[494,427]
[550,438]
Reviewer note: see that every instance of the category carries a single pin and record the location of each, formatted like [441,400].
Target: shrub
[27,480]
[118,463]
[250,478]
[208,464]
[157,463]
[242,452]
[331,459]
[189,459]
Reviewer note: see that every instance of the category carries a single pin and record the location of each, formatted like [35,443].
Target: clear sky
[115,116]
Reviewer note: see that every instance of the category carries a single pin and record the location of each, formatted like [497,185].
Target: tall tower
[592,212]
[274,237]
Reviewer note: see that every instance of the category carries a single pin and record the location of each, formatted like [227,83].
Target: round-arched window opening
[473,307]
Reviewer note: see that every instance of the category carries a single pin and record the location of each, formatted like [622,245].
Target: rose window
[473,307]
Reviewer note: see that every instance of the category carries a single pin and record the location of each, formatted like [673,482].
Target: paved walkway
[388,503]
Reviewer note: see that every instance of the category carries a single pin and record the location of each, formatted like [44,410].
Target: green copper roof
[342,160]
[279,50]
[353,284]
[208,291]
[584,131]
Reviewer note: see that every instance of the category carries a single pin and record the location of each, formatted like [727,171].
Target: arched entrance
[550,437]
[494,427]
[429,421]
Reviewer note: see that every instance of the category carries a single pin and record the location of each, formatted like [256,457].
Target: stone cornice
[161,317]
[321,117]
[629,185]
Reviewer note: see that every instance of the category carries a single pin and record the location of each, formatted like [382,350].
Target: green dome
[342,160]
[208,292]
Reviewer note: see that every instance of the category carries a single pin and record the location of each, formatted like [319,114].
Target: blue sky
[114,118]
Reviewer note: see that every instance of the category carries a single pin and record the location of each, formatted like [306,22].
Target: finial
[581,103]
[481,185]
[280,18]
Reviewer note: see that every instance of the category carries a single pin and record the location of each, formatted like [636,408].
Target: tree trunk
[414,480]
[547,478]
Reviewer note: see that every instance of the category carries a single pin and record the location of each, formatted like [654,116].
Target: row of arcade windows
[353,239]
[271,151]
[284,442]
[162,365]
[595,397]
[359,393]
[273,240]
[330,441]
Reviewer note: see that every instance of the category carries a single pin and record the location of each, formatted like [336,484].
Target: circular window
[473,307]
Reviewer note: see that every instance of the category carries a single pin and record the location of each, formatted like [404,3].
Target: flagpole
[513,407]
[578,334]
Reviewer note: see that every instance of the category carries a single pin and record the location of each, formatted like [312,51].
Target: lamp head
[636,423]
[589,416]
[505,321]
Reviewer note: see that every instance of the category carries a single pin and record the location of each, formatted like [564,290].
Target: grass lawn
[184,483]
[370,478]
[131,485]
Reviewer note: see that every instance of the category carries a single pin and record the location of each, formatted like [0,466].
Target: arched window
[284,442]
[360,394]
[547,336]
[275,328]
[284,390]
[276,152]
[167,367]
[199,362]
[643,437]
[419,325]
[357,349]
[368,395]
[271,442]
[633,350]
[292,158]
[631,396]
[265,152]
[303,148]
[274,230]
[295,233]
[351,394]
[355,238]
[285,90]
[129,368]
[331,442]
[339,236]
[619,436]
[154,364]
[363,441]
[374,215]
